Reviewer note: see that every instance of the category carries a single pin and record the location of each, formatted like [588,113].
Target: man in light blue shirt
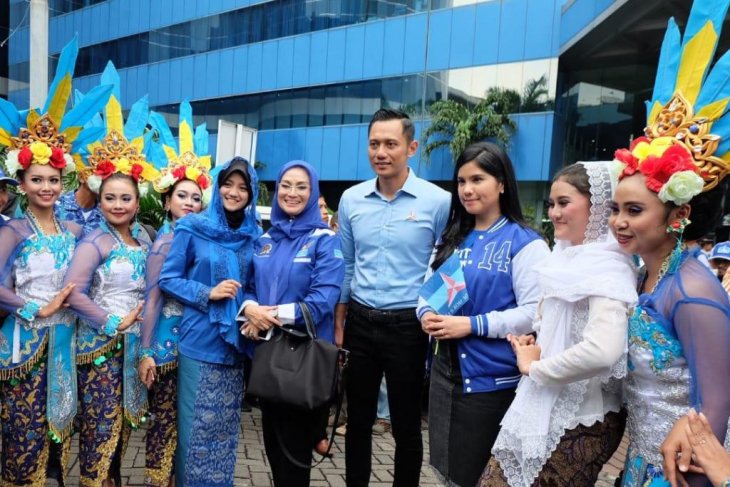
[388,228]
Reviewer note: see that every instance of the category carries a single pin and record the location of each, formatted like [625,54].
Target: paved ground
[252,468]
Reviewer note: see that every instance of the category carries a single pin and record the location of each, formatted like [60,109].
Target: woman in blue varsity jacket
[474,372]
[297,261]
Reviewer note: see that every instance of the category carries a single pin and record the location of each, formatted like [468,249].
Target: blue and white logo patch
[302,255]
[304,250]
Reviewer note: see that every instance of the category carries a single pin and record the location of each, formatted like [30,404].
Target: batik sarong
[209,420]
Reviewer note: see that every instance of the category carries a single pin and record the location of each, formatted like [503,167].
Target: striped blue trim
[480,325]
[498,224]
[504,380]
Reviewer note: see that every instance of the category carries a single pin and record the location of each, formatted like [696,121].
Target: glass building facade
[309,74]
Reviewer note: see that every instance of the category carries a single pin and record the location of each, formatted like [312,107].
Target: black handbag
[296,368]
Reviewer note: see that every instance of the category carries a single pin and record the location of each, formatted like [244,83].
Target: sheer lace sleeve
[701,318]
[89,255]
[11,238]
[154,298]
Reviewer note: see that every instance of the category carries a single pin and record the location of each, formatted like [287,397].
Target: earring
[678,226]
[675,258]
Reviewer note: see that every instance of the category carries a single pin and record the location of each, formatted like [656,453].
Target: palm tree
[535,90]
[456,125]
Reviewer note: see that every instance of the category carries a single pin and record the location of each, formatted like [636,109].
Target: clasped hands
[692,447]
[526,350]
[445,327]
[259,319]
[59,302]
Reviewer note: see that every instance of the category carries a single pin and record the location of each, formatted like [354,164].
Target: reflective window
[599,113]
[58,7]
[352,103]
[20,12]
[270,20]
[530,81]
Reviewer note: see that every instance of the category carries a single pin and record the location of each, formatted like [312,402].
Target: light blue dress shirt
[387,244]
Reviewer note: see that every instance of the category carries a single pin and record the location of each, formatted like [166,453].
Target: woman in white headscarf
[566,420]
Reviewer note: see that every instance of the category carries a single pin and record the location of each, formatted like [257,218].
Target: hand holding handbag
[301,371]
[296,368]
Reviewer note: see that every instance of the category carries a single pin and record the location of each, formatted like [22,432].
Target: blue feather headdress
[120,149]
[686,145]
[190,160]
[51,135]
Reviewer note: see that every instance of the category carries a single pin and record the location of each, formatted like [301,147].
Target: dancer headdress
[51,135]
[685,149]
[188,161]
[120,150]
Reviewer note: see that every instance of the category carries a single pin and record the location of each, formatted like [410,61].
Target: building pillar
[38,53]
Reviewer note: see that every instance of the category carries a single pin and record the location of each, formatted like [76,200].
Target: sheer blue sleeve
[701,318]
[73,227]
[154,298]
[89,255]
[11,240]
[173,278]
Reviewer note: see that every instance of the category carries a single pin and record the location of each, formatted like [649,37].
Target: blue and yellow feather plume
[60,89]
[190,162]
[121,144]
[689,105]
[51,127]
[683,65]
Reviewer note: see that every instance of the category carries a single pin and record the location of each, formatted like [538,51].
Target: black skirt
[462,428]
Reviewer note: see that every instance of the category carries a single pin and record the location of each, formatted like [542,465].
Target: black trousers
[299,431]
[391,343]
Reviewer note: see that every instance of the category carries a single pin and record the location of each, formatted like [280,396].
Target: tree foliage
[151,211]
[456,125]
[534,96]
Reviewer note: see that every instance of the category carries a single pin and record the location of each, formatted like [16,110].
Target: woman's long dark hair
[493,160]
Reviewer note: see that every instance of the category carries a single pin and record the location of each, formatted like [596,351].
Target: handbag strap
[308,321]
[340,398]
[310,330]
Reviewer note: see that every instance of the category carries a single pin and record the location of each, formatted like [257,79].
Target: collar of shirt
[410,187]
[69,203]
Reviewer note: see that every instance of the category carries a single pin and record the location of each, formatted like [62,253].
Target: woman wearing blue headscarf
[297,261]
[208,263]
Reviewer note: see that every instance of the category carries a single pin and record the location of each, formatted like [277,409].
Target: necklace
[36,225]
[115,234]
[670,261]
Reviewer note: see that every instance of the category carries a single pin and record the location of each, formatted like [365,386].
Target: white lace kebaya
[581,323]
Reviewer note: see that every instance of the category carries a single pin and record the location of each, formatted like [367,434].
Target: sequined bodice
[657,386]
[39,271]
[119,282]
[172,307]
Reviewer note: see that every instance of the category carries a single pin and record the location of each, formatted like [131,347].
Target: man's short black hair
[385,114]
